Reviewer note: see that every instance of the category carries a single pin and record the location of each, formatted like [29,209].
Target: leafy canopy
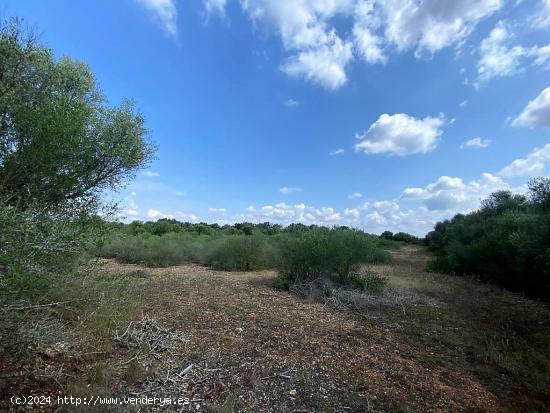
[60,142]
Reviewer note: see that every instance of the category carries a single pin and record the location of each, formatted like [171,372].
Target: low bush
[241,253]
[328,253]
[368,281]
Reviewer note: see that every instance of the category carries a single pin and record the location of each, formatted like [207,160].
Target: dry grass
[455,346]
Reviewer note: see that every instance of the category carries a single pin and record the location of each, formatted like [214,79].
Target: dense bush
[507,241]
[297,251]
[232,252]
[326,252]
[242,253]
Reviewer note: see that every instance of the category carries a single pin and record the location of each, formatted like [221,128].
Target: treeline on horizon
[505,242]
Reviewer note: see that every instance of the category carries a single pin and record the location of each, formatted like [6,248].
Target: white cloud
[156,214]
[533,164]
[338,151]
[151,174]
[355,195]
[367,43]
[215,7]
[217,210]
[324,64]
[131,212]
[431,25]
[186,216]
[453,194]
[285,214]
[165,13]
[475,143]
[541,55]
[320,54]
[401,134]
[180,215]
[289,190]
[291,103]
[352,213]
[463,103]
[542,19]
[498,59]
[537,112]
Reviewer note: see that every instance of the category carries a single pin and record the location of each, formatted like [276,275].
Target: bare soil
[454,346]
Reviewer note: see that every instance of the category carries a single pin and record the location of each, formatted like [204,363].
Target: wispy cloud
[165,13]
[289,190]
[291,103]
[475,143]
[151,174]
[336,152]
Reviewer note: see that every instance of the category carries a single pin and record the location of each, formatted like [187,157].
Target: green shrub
[327,253]
[368,281]
[241,253]
[506,242]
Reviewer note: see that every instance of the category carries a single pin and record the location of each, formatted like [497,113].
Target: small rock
[292,393]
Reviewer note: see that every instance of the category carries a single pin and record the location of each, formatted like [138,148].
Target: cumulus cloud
[431,25]
[355,195]
[285,214]
[401,134]
[352,213]
[156,214]
[533,164]
[324,64]
[453,194]
[475,143]
[180,215]
[165,13]
[320,54]
[497,58]
[367,44]
[186,216]
[289,190]
[537,112]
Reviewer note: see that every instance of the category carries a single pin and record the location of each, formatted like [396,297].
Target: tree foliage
[61,145]
[507,241]
[60,141]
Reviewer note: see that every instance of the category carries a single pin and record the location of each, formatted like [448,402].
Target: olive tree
[61,143]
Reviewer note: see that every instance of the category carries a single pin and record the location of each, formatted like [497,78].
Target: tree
[501,201]
[539,193]
[61,144]
[387,235]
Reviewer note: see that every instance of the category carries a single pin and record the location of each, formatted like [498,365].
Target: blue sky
[382,115]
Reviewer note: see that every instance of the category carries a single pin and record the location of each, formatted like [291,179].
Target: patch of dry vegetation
[232,341]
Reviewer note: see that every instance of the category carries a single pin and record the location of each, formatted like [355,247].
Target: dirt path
[274,352]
